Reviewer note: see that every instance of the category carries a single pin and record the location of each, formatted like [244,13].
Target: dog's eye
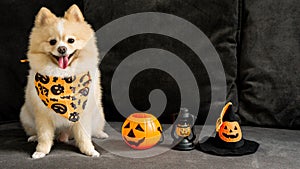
[71,40]
[52,42]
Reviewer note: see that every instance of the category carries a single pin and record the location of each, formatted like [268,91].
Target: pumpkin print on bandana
[66,96]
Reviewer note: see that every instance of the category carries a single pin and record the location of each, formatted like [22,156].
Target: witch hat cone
[228,140]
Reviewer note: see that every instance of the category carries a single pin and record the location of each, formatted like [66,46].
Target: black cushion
[17,19]
[269,63]
[219,20]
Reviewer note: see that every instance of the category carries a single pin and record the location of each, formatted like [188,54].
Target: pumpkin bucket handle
[162,138]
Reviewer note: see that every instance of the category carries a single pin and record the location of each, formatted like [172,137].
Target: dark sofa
[257,42]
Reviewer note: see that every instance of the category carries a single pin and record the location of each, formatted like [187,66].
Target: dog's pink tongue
[63,61]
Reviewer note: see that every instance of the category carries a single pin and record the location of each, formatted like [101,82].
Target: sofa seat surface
[279,148]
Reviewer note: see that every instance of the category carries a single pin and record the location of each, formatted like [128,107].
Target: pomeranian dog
[63,93]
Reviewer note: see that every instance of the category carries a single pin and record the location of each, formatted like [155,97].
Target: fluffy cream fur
[42,123]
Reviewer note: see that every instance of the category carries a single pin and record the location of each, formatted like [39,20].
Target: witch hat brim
[222,147]
[209,146]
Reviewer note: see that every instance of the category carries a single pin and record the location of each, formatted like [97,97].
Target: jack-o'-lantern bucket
[142,131]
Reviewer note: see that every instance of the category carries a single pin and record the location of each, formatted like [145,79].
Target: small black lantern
[183,131]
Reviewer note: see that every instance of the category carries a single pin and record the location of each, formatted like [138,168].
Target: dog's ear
[44,17]
[74,14]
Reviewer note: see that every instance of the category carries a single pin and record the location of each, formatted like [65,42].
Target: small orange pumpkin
[141,131]
[230,131]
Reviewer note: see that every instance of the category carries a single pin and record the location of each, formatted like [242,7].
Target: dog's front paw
[95,153]
[32,139]
[37,155]
[102,135]
[91,152]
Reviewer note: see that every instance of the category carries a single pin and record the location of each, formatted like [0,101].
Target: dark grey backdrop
[258,43]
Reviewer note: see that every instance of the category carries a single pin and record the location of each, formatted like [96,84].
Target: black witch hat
[229,139]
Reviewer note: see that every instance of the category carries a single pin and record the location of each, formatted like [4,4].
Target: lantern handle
[193,118]
[193,133]
[192,125]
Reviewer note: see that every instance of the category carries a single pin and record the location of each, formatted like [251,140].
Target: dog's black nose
[62,50]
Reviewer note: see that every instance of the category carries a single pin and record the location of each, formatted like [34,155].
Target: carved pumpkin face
[183,130]
[230,131]
[141,131]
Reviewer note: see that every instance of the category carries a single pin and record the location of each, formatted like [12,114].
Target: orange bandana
[67,96]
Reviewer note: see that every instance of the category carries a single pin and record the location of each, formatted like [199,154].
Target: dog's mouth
[63,60]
